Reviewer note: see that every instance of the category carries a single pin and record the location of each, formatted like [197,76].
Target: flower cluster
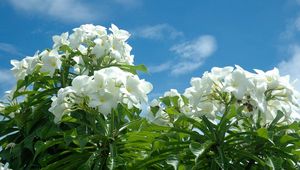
[89,47]
[259,92]
[103,91]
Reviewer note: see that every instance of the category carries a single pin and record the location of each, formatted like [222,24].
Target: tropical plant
[78,104]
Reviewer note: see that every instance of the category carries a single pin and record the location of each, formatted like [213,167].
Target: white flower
[100,48]
[19,69]
[238,83]
[60,40]
[76,38]
[265,92]
[171,93]
[24,67]
[104,91]
[79,67]
[82,49]
[50,61]
[138,87]
[118,33]
[32,63]
[219,74]
[91,30]
[104,101]
[81,83]
[62,103]
[160,117]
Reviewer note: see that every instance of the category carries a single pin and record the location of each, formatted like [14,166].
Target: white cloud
[292,65]
[7,80]
[185,67]
[292,47]
[10,49]
[160,68]
[193,53]
[65,10]
[157,32]
[198,49]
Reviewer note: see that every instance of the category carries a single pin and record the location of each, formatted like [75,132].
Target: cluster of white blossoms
[103,91]
[264,92]
[87,45]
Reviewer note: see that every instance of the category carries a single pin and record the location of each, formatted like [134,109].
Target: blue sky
[175,39]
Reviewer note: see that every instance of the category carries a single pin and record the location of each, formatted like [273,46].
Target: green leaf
[172,111]
[65,48]
[165,100]
[263,132]
[232,113]
[198,149]
[142,68]
[279,115]
[133,69]
[70,162]
[270,163]
[211,127]
[287,138]
[40,146]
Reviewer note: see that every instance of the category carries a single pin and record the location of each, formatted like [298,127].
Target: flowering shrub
[78,105]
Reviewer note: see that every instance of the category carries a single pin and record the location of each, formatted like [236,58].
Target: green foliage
[87,140]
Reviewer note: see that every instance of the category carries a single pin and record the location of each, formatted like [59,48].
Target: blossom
[32,63]
[101,47]
[264,92]
[62,103]
[238,82]
[19,69]
[159,116]
[136,90]
[118,33]
[60,40]
[104,101]
[50,61]
[103,91]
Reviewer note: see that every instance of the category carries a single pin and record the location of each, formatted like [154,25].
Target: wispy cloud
[185,67]
[191,55]
[10,49]
[291,29]
[157,32]
[197,49]
[292,65]
[160,68]
[65,10]
[6,80]
[291,46]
